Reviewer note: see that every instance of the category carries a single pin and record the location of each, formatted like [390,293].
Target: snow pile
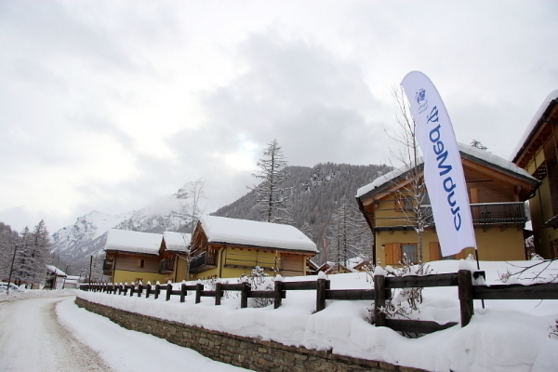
[506,336]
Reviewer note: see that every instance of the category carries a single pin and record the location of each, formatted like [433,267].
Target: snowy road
[31,339]
[52,334]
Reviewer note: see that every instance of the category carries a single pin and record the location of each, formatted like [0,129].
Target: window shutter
[388,252]
[435,251]
[393,253]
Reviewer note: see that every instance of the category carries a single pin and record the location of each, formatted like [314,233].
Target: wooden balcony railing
[202,261]
[107,267]
[166,266]
[495,213]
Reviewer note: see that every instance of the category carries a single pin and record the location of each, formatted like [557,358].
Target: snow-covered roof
[256,233]
[533,124]
[177,242]
[55,270]
[471,151]
[133,241]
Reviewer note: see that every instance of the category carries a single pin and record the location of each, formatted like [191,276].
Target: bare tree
[272,197]
[193,193]
[412,199]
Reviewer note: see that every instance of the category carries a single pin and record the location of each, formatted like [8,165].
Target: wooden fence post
[132,288]
[218,293]
[157,290]
[199,289]
[182,292]
[244,295]
[277,295]
[169,291]
[465,289]
[379,300]
[148,290]
[140,289]
[321,286]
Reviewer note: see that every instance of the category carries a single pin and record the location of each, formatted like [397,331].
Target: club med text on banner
[443,171]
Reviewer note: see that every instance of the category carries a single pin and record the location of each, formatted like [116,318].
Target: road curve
[32,339]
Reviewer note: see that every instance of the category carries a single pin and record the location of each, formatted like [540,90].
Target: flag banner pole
[443,170]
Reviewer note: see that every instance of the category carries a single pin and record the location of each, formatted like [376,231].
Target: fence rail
[467,292]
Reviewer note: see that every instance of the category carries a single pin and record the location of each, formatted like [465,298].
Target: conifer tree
[347,235]
[272,198]
[8,240]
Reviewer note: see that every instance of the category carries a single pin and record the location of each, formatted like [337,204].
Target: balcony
[202,262]
[496,213]
[107,267]
[166,266]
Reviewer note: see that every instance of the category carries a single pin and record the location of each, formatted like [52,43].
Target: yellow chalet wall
[497,191]
[227,248]
[131,256]
[537,153]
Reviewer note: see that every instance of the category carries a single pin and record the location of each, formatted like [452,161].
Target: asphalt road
[32,339]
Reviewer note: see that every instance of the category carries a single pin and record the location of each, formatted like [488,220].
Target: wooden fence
[467,292]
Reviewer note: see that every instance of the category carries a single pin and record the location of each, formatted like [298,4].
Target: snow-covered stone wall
[240,351]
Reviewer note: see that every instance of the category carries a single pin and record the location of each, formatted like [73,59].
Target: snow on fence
[383,285]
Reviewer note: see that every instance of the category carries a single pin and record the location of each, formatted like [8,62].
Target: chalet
[173,253]
[311,267]
[537,153]
[497,191]
[330,267]
[132,256]
[226,248]
[54,278]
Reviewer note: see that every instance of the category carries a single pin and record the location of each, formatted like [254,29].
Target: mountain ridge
[315,194]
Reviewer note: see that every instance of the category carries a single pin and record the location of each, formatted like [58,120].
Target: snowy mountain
[315,195]
[76,243]
[316,192]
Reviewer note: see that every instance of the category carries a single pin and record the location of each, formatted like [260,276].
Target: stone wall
[240,351]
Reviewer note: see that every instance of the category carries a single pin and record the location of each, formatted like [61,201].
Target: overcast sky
[109,105]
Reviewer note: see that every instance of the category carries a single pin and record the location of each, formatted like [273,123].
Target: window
[140,262]
[410,251]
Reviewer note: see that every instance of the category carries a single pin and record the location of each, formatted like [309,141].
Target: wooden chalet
[227,248]
[133,256]
[54,278]
[497,191]
[173,254]
[537,153]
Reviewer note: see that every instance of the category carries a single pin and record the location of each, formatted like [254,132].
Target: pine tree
[40,252]
[8,240]
[33,254]
[272,198]
[347,235]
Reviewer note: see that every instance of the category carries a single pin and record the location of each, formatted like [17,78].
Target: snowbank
[506,336]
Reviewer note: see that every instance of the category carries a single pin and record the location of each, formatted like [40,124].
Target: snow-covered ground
[46,331]
[505,336]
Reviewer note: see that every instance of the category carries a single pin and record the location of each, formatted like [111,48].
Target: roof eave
[263,247]
[535,129]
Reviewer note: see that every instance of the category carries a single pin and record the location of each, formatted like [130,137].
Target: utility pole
[11,269]
[90,263]
[64,280]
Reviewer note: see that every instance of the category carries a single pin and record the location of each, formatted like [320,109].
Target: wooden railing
[493,213]
[467,292]
[166,266]
[199,262]
[107,267]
